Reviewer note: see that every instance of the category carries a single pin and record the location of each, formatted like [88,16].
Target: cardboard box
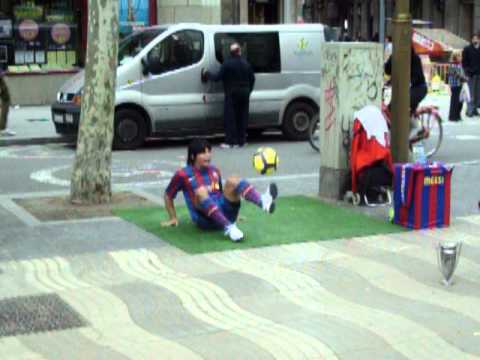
[422,195]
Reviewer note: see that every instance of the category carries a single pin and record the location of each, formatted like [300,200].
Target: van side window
[181,49]
[261,49]
[131,45]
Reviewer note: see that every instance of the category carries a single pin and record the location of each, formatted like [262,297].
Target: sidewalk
[31,125]
[121,293]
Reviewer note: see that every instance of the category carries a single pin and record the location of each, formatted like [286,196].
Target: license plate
[58,118]
[69,118]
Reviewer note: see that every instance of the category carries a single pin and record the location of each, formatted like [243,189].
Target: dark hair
[197,146]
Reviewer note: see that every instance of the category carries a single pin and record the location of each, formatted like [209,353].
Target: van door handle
[204,98]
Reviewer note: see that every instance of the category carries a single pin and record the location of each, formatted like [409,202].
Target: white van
[160,92]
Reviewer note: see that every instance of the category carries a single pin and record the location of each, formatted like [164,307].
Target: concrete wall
[35,89]
[176,11]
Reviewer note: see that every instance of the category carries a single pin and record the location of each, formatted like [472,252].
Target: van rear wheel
[297,119]
[130,130]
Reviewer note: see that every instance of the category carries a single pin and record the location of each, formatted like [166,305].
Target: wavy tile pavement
[377,285]
[214,306]
[424,251]
[305,291]
[12,348]
[112,325]
[97,286]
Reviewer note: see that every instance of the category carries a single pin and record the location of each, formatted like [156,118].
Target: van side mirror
[145,67]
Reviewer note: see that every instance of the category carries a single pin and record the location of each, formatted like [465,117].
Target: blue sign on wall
[133,14]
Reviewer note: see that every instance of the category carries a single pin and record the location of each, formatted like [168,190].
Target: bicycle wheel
[314,133]
[432,124]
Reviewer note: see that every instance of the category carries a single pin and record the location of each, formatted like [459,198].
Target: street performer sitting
[210,205]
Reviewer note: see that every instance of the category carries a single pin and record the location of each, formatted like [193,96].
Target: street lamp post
[381,22]
[286,12]
[401,68]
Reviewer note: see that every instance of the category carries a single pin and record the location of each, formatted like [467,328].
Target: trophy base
[446,283]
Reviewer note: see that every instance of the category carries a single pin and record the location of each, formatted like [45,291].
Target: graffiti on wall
[329,90]
[363,77]
[351,78]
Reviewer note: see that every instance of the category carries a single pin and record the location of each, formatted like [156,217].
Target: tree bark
[91,175]
[5,103]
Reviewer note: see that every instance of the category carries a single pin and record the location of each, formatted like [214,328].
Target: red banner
[425,45]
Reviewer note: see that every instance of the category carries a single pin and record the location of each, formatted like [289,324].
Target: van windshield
[129,47]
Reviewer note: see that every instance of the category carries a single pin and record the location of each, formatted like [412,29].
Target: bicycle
[427,118]
[427,121]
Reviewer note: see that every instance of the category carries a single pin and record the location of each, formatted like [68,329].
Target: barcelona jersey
[189,179]
[422,195]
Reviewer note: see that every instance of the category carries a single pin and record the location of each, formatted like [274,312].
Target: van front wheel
[129,129]
[296,122]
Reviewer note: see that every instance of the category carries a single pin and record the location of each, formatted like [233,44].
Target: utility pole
[287,9]
[402,39]
[381,22]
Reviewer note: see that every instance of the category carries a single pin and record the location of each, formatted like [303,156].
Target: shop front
[43,42]
[264,12]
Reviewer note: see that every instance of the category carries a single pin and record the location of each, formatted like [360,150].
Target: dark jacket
[237,75]
[471,60]
[417,77]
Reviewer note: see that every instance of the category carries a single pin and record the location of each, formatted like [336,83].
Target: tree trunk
[5,103]
[91,175]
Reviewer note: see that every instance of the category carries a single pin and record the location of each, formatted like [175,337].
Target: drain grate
[31,314]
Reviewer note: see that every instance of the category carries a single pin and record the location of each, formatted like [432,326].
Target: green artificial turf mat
[296,219]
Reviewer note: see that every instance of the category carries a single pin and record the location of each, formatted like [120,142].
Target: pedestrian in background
[5,106]
[388,48]
[471,66]
[238,80]
[455,78]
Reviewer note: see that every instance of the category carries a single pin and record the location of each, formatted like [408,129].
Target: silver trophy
[448,255]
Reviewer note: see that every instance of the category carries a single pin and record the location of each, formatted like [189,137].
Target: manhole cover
[31,314]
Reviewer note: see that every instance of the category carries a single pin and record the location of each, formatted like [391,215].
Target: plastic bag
[465,93]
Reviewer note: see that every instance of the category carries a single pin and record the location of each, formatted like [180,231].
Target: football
[265,160]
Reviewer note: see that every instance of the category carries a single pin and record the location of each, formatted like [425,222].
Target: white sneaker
[268,198]
[234,233]
[7,132]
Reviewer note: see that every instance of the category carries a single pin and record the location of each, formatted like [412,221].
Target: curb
[35,141]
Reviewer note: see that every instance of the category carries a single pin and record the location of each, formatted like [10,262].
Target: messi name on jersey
[422,195]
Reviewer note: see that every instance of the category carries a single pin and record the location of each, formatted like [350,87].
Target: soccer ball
[265,160]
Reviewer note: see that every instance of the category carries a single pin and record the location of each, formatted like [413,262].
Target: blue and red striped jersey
[189,179]
[422,195]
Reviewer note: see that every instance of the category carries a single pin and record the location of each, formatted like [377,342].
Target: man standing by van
[238,81]
[471,67]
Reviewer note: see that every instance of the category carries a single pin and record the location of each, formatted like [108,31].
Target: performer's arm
[173,188]
[172,213]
